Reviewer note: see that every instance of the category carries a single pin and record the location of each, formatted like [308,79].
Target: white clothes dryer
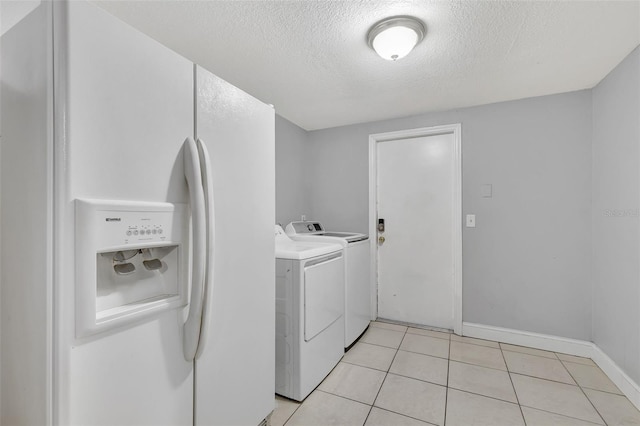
[357,309]
[309,313]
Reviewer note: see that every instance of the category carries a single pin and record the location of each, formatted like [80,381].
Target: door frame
[456,131]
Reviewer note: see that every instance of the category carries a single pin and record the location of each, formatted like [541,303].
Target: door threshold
[413,325]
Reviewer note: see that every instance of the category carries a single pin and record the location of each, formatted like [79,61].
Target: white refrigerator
[130,296]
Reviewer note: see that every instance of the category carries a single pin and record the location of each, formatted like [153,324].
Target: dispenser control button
[148,231]
[129,232]
[154,231]
[160,231]
[135,232]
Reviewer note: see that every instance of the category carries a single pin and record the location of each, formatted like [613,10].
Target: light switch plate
[486,190]
[471,221]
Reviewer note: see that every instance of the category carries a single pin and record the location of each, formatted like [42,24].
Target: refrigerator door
[26,176]
[236,367]
[128,107]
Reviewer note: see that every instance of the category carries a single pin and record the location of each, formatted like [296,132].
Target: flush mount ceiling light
[393,38]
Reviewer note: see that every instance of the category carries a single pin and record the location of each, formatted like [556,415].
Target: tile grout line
[584,393]
[371,407]
[525,353]
[342,397]
[580,363]
[364,366]
[385,377]
[475,365]
[562,415]
[404,333]
[595,367]
[528,354]
[413,418]
[446,393]
[544,378]
[430,336]
[476,344]
[484,396]
[575,382]
[513,386]
[422,353]
[603,391]
[407,331]
[420,380]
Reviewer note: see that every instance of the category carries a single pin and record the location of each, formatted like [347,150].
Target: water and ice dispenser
[131,261]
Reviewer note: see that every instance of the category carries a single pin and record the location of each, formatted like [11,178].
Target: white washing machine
[357,310]
[309,313]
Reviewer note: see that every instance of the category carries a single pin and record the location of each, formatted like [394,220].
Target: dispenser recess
[130,262]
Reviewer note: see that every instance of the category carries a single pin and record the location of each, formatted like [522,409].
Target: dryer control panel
[305,227]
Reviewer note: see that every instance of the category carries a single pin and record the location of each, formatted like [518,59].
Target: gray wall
[292,192]
[556,250]
[527,263]
[616,186]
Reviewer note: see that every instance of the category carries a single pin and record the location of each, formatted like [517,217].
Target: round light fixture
[393,38]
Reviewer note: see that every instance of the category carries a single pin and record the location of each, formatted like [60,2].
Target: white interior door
[416,190]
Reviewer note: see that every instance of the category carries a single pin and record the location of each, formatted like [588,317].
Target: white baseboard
[527,338]
[617,376]
[562,345]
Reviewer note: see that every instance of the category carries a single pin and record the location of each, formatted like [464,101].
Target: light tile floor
[397,375]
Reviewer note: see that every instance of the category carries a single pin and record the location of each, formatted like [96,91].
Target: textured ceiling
[311,60]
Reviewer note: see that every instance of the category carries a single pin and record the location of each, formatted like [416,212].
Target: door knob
[380,240]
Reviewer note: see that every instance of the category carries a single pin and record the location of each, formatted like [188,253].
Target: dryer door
[323,293]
